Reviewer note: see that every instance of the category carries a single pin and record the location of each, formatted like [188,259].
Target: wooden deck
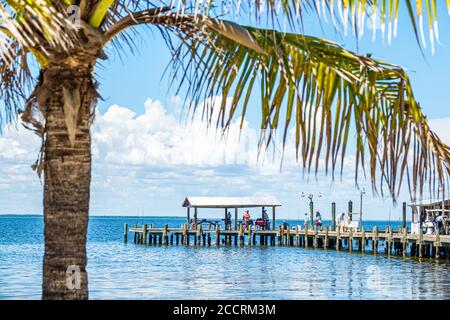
[399,242]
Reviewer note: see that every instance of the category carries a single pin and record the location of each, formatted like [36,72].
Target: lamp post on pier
[361,193]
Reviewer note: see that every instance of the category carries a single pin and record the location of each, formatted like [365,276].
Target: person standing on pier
[265,218]
[228,221]
[318,221]
[341,220]
[246,219]
[306,221]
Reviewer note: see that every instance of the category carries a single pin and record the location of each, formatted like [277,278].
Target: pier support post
[195,218]
[273,218]
[405,241]
[338,239]
[125,232]
[297,238]
[288,237]
[316,240]
[198,234]
[363,240]
[437,245]
[188,217]
[325,241]
[135,233]
[404,215]
[166,235]
[350,240]
[306,238]
[350,210]
[249,236]
[144,234]
[333,216]
[177,240]
[241,235]
[389,240]
[375,240]
[217,235]
[420,243]
[183,235]
[280,236]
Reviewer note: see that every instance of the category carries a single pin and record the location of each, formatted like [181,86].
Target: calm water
[127,271]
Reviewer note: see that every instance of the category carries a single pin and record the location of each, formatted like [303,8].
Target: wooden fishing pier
[388,241]
[335,237]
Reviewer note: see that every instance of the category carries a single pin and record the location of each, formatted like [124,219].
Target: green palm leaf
[323,91]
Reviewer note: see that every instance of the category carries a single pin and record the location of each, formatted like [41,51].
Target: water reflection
[127,271]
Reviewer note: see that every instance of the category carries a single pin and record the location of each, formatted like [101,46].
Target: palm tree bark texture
[67,96]
[67,169]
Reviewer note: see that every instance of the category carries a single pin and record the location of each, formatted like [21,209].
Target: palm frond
[323,91]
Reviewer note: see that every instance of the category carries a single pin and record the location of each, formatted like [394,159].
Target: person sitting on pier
[246,219]
[318,221]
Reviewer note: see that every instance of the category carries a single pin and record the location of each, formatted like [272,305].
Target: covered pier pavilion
[229,203]
[422,210]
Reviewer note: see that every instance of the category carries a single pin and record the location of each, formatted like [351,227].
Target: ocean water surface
[128,271]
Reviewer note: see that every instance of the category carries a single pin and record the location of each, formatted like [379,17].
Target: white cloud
[151,160]
[156,138]
[18,143]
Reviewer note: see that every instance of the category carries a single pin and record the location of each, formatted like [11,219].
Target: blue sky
[147,160]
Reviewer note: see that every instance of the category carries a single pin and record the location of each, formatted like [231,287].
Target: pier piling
[144,234]
[166,235]
[217,235]
[363,240]
[333,216]
[125,232]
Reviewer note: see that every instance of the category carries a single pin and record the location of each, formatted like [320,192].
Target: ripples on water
[127,271]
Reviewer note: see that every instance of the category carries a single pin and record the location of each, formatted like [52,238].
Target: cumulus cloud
[151,159]
[157,138]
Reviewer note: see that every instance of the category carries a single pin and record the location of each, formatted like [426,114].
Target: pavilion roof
[428,202]
[231,202]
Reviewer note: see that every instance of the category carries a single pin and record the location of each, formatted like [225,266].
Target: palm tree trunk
[67,178]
